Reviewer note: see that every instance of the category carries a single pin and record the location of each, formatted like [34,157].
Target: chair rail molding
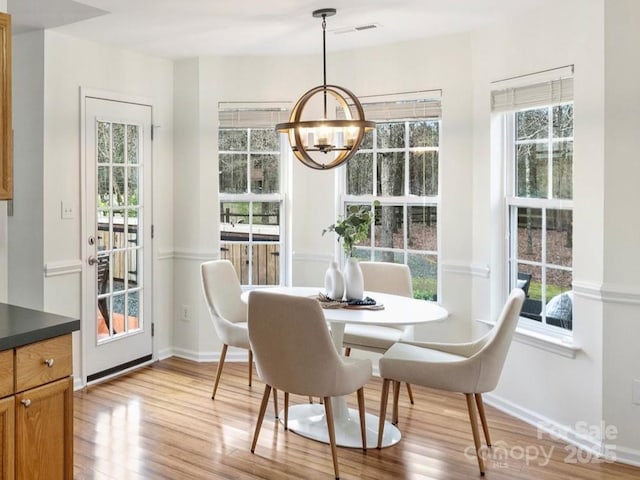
[62,267]
[196,255]
[480,271]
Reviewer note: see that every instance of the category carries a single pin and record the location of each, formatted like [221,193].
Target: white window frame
[512,201]
[250,198]
[405,201]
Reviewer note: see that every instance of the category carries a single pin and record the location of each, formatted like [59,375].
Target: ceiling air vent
[356,28]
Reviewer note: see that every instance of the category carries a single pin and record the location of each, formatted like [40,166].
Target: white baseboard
[599,449]
[204,357]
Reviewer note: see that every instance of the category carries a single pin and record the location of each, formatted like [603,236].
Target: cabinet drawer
[6,373]
[42,362]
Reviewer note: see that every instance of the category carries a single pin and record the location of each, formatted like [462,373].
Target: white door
[117,317]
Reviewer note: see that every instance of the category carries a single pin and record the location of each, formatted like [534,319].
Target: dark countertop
[21,326]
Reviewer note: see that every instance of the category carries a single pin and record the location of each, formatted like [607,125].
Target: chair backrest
[496,343]
[393,278]
[291,344]
[222,291]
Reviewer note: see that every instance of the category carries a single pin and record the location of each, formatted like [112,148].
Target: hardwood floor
[160,423]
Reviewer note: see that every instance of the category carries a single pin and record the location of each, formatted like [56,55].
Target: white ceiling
[189,28]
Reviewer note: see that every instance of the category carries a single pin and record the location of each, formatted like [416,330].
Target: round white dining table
[309,420]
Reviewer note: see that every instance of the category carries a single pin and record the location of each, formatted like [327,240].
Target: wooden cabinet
[6,132]
[36,419]
[7,432]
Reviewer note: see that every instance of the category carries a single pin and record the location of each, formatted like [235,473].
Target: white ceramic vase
[354,282]
[334,282]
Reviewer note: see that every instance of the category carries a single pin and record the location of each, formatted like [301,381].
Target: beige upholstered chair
[222,292]
[471,368]
[294,353]
[382,277]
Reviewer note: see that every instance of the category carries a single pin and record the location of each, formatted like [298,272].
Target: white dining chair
[294,353]
[222,291]
[384,277]
[471,368]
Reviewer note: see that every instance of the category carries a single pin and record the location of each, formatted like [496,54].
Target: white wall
[621,287]
[26,235]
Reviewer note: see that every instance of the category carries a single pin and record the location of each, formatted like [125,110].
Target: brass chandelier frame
[297,128]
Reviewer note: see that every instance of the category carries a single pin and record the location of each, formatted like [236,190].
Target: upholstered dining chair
[294,353]
[228,312]
[471,368]
[381,277]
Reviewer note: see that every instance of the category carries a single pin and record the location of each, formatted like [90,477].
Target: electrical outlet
[186,313]
[635,395]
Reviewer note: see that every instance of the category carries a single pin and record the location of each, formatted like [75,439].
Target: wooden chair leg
[474,429]
[251,366]
[310,399]
[328,410]
[410,392]
[347,351]
[263,408]
[286,410]
[396,396]
[363,421]
[383,409]
[483,418]
[223,354]
[275,403]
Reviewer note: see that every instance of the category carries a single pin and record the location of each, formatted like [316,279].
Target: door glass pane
[104,142]
[132,144]
[119,246]
[118,142]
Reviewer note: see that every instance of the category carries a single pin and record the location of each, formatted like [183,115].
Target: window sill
[562,345]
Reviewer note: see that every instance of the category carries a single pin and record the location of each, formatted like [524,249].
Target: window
[397,165]
[539,166]
[251,194]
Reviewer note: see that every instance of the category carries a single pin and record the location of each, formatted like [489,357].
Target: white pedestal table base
[309,421]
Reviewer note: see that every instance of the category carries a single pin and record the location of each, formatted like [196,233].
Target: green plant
[354,228]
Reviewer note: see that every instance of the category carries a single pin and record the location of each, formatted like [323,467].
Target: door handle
[92,260]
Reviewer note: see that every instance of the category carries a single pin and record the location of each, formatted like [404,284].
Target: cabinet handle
[49,362]
[26,402]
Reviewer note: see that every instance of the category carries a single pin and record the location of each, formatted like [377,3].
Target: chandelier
[329,141]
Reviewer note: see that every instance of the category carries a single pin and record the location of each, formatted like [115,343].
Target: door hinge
[153,231]
[153,329]
[152,129]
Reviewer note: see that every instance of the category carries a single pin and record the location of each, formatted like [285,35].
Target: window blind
[230,116]
[534,95]
[399,110]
